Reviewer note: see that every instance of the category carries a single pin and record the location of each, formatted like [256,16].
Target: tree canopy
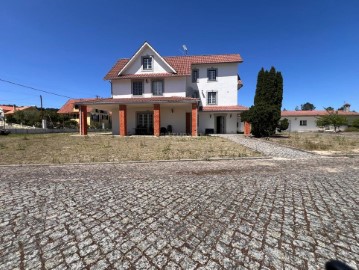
[307,106]
[266,111]
[332,119]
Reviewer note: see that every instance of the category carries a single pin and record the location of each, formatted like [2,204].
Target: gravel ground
[243,214]
[268,149]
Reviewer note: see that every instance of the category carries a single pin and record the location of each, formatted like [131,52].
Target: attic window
[76,107]
[147,63]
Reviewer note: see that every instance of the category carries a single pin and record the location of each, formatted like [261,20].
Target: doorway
[188,123]
[220,128]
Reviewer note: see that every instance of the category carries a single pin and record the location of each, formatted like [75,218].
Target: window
[212,74]
[212,98]
[145,120]
[147,63]
[303,122]
[195,75]
[137,88]
[157,88]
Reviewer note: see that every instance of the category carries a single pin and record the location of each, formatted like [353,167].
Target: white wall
[115,121]
[173,86]
[294,123]
[135,67]
[226,84]
[177,119]
[208,120]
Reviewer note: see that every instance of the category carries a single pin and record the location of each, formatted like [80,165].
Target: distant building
[95,117]
[307,120]
[10,110]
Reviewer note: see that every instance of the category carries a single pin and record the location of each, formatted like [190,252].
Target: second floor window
[195,75]
[212,74]
[157,88]
[147,63]
[212,98]
[137,88]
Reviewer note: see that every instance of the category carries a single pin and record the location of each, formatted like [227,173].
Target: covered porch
[147,116]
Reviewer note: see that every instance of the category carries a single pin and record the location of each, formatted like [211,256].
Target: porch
[147,116]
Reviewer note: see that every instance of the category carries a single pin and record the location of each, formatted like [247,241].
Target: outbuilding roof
[316,113]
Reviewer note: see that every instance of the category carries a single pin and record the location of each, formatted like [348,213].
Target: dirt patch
[321,143]
[65,148]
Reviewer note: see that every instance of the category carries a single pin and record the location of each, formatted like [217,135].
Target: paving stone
[293,213]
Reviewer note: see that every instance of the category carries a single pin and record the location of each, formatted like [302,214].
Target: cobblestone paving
[242,214]
[268,149]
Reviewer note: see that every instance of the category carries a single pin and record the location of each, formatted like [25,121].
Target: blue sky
[67,46]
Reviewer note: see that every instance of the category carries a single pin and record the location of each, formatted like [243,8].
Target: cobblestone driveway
[269,214]
[267,148]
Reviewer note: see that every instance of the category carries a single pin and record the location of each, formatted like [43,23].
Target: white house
[151,94]
[302,121]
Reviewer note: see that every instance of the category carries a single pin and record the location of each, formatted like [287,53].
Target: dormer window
[147,63]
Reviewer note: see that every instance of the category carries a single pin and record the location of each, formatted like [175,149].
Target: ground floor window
[303,122]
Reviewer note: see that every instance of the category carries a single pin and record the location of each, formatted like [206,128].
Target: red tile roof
[11,109]
[224,108]
[70,105]
[6,108]
[315,113]
[182,64]
[139,100]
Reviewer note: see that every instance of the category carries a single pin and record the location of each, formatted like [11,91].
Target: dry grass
[65,148]
[326,143]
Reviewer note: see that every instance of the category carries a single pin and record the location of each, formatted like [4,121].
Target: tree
[283,125]
[355,123]
[329,108]
[265,113]
[307,107]
[332,119]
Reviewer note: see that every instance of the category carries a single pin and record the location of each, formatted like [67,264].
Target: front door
[220,125]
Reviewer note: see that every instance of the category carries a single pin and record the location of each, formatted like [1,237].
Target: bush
[283,125]
[355,123]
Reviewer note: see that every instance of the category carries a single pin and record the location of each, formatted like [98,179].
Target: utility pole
[43,121]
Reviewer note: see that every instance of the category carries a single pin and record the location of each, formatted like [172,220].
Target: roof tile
[182,64]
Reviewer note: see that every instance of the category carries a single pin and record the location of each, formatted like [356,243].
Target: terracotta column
[194,119]
[83,120]
[123,120]
[156,119]
[247,128]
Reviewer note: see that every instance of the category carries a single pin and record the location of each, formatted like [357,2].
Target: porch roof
[215,108]
[139,100]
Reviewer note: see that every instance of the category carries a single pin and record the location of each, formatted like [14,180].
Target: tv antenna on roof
[185,49]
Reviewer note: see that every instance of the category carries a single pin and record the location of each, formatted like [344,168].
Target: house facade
[95,118]
[154,95]
[306,121]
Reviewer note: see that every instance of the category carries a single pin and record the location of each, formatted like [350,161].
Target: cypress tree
[265,114]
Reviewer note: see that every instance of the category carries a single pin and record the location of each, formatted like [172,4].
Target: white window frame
[147,65]
[303,123]
[155,91]
[212,100]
